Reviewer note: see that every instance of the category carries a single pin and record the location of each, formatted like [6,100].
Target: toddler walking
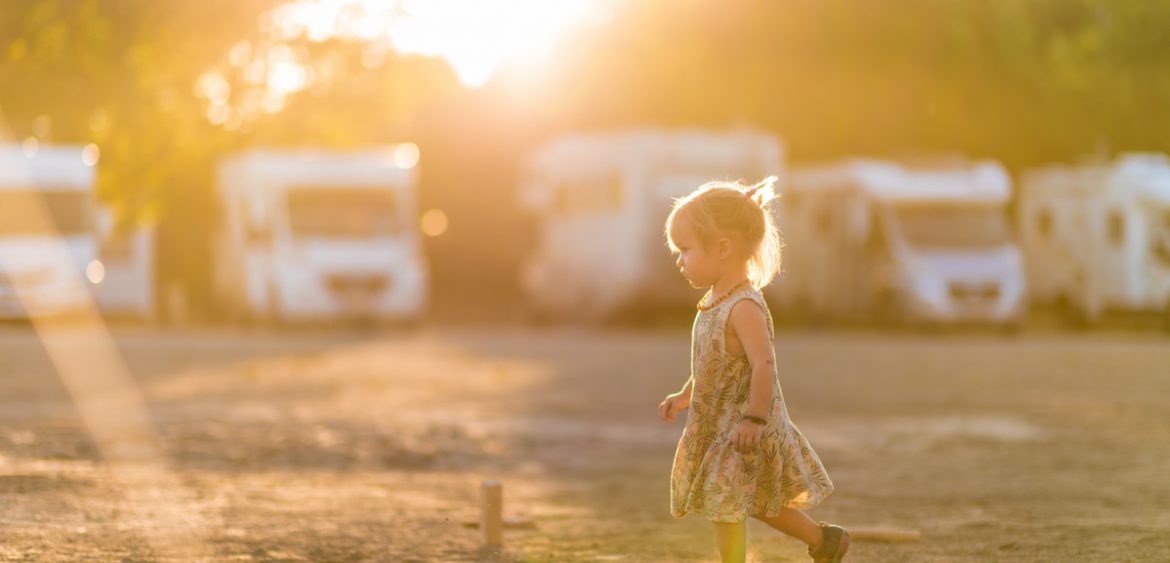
[739,454]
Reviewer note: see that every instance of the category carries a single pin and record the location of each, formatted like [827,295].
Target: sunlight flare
[475,37]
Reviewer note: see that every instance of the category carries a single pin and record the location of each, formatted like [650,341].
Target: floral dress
[708,476]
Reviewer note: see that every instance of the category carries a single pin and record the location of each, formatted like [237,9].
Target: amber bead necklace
[716,303]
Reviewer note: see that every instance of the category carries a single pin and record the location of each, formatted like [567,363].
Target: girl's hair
[738,210]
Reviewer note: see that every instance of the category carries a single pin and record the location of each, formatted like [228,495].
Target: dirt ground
[338,446]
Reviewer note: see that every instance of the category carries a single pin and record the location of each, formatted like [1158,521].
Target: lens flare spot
[406,155]
[90,154]
[95,271]
[30,146]
[433,222]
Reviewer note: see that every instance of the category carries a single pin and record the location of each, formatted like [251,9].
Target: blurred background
[160,100]
[398,246]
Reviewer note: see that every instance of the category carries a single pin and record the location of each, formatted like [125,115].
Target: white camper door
[1084,248]
[588,242]
[258,257]
[1156,258]
[128,287]
[1117,269]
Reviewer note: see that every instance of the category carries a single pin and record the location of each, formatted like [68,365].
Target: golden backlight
[474,36]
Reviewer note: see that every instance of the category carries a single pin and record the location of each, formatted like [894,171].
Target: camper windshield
[71,212]
[954,226]
[338,212]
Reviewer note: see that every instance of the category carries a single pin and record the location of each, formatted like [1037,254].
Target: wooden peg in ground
[871,533]
[491,516]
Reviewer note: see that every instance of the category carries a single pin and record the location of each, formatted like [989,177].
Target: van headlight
[931,290]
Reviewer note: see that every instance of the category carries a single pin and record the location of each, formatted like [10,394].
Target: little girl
[739,454]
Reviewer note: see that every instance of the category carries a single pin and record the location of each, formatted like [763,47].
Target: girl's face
[699,264]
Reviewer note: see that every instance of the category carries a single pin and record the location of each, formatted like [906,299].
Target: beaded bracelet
[755,419]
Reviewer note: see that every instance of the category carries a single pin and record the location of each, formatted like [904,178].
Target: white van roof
[1145,175]
[888,180]
[59,167]
[282,168]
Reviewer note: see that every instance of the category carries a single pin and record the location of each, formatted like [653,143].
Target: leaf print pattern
[708,476]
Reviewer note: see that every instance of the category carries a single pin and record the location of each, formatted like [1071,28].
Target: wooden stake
[491,516]
[885,534]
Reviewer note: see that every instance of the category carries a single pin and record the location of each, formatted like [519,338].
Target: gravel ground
[347,445]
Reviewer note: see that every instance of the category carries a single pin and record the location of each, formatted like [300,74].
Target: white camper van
[314,235]
[50,281]
[127,287]
[601,201]
[1097,236]
[869,238]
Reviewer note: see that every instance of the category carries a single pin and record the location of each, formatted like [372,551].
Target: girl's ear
[724,247]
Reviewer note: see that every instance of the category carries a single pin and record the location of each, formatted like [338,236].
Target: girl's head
[724,227]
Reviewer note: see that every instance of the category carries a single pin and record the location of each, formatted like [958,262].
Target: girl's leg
[796,524]
[732,540]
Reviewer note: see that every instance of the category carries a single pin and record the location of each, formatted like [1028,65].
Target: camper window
[876,241]
[69,212]
[824,220]
[583,197]
[117,247]
[259,234]
[1160,238]
[954,226]
[340,212]
[1116,228]
[1044,224]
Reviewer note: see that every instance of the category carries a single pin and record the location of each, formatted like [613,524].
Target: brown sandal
[834,544]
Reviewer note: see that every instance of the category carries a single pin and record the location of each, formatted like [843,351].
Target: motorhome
[1097,235]
[601,201]
[47,241]
[315,235]
[926,243]
[127,267]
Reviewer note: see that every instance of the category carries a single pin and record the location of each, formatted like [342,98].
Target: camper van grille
[27,278]
[351,284]
[974,291]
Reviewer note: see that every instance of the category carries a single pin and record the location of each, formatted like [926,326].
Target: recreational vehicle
[1097,236]
[601,201]
[879,239]
[47,240]
[315,235]
[127,268]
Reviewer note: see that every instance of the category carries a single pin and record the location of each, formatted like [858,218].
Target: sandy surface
[311,445]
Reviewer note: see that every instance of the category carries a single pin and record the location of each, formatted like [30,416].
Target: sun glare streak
[85,358]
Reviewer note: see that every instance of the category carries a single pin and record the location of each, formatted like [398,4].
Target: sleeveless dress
[708,476]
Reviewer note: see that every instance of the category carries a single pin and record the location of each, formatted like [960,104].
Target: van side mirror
[875,240]
[1160,247]
[259,234]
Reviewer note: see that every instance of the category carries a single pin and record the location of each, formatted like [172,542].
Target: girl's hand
[746,437]
[672,405]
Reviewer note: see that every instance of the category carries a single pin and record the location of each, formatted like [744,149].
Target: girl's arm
[688,387]
[751,327]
